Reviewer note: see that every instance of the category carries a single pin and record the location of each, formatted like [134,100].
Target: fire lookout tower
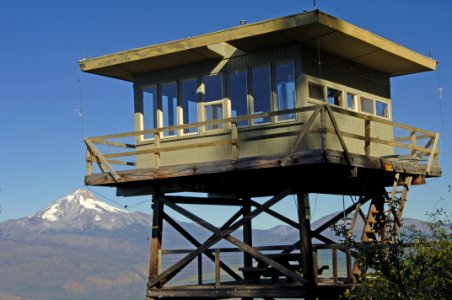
[288,106]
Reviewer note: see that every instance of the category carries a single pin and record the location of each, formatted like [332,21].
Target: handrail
[229,134]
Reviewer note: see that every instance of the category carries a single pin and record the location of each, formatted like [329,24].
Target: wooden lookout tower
[288,106]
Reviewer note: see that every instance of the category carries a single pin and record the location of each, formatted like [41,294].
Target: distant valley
[82,248]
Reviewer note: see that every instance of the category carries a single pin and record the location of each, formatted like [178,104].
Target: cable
[79,110]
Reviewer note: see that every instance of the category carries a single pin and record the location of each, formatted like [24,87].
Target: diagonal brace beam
[195,242]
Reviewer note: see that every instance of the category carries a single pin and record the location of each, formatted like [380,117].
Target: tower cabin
[294,105]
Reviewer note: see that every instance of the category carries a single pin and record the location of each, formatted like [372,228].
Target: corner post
[304,216]
[156,241]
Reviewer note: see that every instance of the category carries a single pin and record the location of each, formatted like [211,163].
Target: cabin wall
[333,71]
[274,138]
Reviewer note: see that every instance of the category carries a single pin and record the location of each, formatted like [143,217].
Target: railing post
[433,154]
[200,269]
[89,162]
[322,129]
[157,149]
[217,268]
[234,142]
[316,265]
[348,253]
[413,141]
[334,253]
[367,137]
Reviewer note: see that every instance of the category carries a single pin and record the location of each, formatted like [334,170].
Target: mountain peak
[76,203]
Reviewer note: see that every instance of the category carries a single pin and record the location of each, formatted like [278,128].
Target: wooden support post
[247,233]
[156,242]
[304,216]
[334,254]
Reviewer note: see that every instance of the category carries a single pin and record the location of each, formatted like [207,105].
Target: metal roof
[313,29]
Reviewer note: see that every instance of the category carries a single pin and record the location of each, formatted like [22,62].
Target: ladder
[384,217]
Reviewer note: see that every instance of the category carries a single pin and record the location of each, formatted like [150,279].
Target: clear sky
[42,89]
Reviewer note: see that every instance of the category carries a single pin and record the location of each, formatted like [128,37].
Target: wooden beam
[204,201]
[156,241]
[225,234]
[195,243]
[306,249]
[301,134]
[244,247]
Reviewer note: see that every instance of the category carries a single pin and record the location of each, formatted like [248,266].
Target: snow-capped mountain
[79,210]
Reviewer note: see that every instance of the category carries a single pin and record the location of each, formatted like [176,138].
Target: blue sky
[42,88]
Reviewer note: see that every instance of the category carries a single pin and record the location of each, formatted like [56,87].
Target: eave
[312,29]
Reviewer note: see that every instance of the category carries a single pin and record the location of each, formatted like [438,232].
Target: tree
[417,266]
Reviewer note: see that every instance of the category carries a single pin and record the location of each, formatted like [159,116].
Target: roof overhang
[313,29]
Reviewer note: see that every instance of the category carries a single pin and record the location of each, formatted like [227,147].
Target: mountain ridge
[81,247]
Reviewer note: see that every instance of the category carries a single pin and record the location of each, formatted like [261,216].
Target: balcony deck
[324,149]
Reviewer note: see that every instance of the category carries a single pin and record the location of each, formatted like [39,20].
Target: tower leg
[304,217]
[156,242]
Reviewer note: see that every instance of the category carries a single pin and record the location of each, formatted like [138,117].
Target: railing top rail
[239,119]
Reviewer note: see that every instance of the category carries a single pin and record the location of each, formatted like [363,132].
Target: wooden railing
[333,264]
[123,149]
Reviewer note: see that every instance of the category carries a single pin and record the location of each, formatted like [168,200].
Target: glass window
[261,92]
[169,106]
[213,111]
[149,98]
[189,100]
[238,94]
[351,101]
[334,96]
[316,91]
[367,105]
[382,109]
[285,88]
[212,87]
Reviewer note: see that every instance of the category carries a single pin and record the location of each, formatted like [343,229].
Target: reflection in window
[316,91]
[212,87]
[238,95]
[213,111]
[367,105]
[189,100]
[334,96]
[285,88]
[382,109]
[351,101]
[169,106]
[149,98]
[261,92]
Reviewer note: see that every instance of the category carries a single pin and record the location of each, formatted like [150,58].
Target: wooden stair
[384,217]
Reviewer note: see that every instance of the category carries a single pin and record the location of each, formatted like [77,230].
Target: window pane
[213,112]
[213,87]
[334,96]
[351,101]
[285,88]
[367,105]
[189,103]
[261,92]
[169,106]
[382,109]
[316,91]
[149,97]
[238,94]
